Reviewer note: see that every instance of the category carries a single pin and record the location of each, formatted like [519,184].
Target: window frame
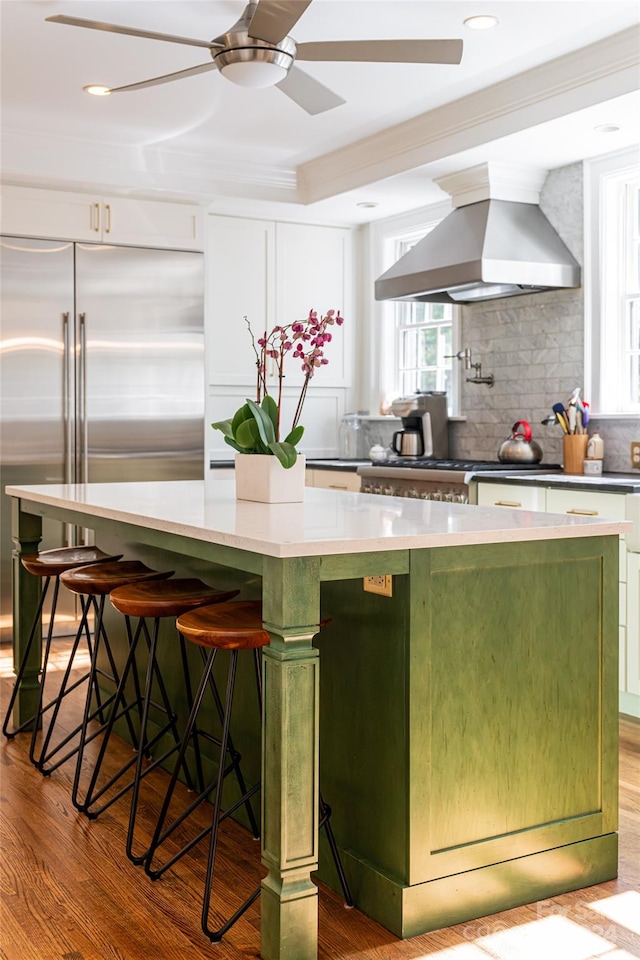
[607,262]
[386,237]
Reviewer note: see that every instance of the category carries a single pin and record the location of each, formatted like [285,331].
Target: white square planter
[262,478]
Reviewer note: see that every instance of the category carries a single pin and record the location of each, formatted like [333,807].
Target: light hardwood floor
[69,892]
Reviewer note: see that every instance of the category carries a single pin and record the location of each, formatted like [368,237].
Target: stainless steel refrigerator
[102,370]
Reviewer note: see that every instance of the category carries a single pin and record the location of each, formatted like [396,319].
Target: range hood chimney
[495,243]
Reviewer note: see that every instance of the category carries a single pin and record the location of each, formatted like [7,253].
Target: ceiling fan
[258,52]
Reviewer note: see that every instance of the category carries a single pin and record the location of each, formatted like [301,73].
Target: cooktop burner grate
[465,466]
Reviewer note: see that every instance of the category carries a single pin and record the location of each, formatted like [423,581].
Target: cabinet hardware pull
[96,207]
[507,503]
[337,486]
[107,210]
[584,513]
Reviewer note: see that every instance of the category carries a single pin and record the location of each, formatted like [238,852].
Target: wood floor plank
[68,891]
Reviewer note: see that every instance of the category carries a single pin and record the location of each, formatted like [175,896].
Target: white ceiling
[257,151]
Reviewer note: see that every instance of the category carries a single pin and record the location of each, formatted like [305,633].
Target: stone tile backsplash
[534,346]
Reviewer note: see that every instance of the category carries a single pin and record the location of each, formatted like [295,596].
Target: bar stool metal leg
[48,565]
[237,626]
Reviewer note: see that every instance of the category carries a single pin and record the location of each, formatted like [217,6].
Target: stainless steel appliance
[444,480]
[425,425]
[102,366]
[490,246]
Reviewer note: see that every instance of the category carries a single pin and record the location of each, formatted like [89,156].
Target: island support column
[26,531]
[290,671]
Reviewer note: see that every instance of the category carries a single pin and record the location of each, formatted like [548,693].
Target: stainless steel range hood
[484,250]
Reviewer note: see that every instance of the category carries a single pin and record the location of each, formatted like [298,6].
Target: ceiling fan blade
[383,51]
[167,78]
[273,19]
[129,31]
[308,92]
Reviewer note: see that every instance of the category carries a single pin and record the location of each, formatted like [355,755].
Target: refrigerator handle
[83,458]
[66,401]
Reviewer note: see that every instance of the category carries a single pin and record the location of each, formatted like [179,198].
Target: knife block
[574,451]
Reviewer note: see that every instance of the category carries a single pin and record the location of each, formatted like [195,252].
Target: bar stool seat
[46,565]
[233,627]
[96,581]
[51,563]
[99,580]
[155,600]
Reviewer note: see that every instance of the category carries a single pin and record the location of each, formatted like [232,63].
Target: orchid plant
[256,426]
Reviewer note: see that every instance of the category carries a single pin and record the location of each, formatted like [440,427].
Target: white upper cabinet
[274,273]
[58,214]
[314,272]
[240,283]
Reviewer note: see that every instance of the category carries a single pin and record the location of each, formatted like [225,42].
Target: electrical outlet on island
[381,585]
[635,454]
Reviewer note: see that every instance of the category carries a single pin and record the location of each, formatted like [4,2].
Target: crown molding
[590,75]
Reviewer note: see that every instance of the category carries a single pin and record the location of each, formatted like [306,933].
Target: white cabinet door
[240,283]
[633,624]
[59,214]
[322,411]
[152,223]
[587,503]
[314,272]
[336,480]
[51,214]
[511,495]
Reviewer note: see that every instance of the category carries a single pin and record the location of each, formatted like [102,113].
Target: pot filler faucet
[469,365]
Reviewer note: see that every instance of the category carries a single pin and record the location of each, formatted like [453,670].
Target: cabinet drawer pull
[337,486]
[107,210]
[507,503]
[96,207]
[584,513]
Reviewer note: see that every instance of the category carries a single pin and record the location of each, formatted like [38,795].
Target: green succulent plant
[253,429]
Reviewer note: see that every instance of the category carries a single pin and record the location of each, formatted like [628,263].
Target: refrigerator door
[140,374]
[36,385]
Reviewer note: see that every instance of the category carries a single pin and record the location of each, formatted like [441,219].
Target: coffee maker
[425,426]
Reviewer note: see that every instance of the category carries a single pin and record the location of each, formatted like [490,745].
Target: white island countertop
[327,522]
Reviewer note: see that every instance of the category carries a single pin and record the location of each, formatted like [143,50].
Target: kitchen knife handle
[82,403]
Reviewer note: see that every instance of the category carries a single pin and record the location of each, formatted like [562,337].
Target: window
[613,310]
[424,336]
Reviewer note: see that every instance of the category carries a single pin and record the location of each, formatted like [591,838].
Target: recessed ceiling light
[483,22]
[367,204]
[607,128]
[97,90]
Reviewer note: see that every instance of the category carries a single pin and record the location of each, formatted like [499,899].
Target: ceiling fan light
[481,22]
[254,73]
[97,90]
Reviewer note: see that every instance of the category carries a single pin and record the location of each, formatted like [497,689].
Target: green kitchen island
[467,725]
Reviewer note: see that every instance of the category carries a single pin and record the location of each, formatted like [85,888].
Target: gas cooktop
[466,466]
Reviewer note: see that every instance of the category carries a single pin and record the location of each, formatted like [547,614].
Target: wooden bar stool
[95,582]
[49,565]
[152,600]
[232,627]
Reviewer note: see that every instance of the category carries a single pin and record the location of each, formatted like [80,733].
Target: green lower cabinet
[469,730]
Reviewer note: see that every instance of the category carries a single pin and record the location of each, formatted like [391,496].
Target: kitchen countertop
[608,482]
[327,522]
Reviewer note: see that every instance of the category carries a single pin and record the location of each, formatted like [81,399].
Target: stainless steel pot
[520,447]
